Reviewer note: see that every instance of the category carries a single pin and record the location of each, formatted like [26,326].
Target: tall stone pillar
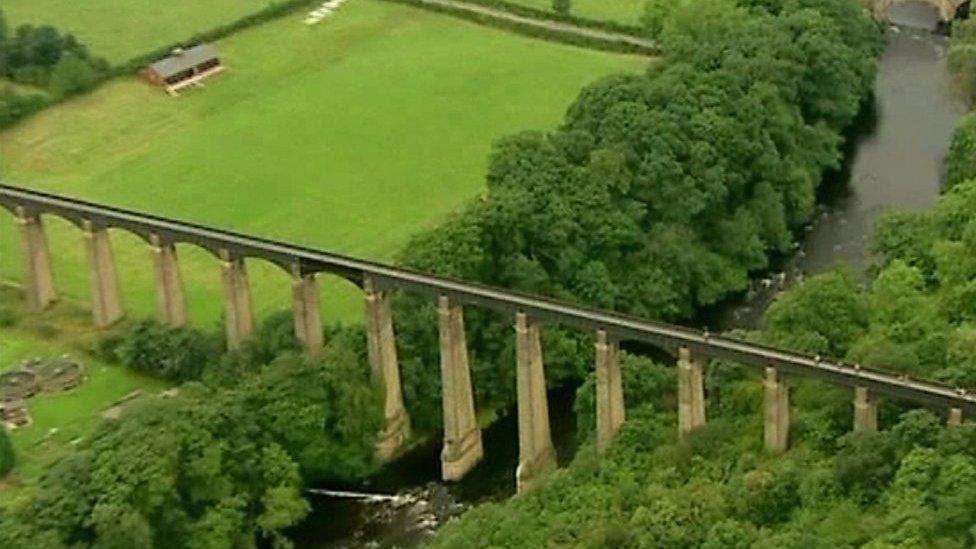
[955,417]
[38,279]
[383,361]
[462,435]
[691,392]
[305,309]
[105,295]
[610,412]
[238,317]
[776,411]
[170,300]
[537,455]
[865,411]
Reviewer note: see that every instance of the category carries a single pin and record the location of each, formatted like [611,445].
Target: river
[893,159]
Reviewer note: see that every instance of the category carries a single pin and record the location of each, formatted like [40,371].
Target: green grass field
[59,419]
[351,135]
[122,29]
[621,11]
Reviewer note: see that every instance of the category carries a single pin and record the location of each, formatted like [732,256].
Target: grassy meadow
[350,135]
[621,11]
[122,29]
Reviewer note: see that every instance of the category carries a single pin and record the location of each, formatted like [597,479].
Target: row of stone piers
[462,447]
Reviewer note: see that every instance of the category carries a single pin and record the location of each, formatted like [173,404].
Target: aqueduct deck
[377,279]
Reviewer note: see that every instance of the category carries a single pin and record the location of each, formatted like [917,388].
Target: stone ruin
[32,376]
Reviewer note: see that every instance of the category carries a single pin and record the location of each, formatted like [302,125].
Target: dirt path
[644,45]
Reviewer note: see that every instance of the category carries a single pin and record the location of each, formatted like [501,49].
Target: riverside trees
[211,466]
[660,192]
[912,484]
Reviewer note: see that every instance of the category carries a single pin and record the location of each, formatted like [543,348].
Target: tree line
[913,484]
[223,460]
[42,58]
[659,193]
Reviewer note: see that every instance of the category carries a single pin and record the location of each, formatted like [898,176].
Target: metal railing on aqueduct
[462,435]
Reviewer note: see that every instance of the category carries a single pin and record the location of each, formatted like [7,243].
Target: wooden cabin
[184,68]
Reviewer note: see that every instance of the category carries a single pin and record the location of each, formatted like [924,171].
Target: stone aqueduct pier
[462,435]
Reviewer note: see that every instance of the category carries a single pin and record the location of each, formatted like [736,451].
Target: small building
[184,68]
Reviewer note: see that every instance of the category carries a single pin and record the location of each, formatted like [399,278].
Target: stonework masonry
[691,392]
[38,278]
[462,435]
[537,455]
[610,413]
[238,316]
[105,296]
[865,410]
[381,345]
[776,412]
[170,299]
[306,312]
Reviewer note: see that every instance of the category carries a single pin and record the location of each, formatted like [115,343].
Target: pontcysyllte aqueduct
[462,435]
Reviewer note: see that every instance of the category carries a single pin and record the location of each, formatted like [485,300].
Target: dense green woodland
[660,193]
[223,462]
[911,485]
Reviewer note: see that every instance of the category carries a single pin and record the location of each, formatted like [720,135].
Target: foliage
[823,315]
[30,55]
[72,75]
[7,457]
[178,354]
[16,105]
[910,485]
[650,491]
[962,56]
[656,14]
[42,58]
[561,6]
[661,192]
[961,162]
[209,467]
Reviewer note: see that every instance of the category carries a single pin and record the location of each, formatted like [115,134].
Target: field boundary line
[546,29]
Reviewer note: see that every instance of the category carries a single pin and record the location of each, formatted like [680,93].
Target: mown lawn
[351,135]
[61,419]
[122,29]
[621,11]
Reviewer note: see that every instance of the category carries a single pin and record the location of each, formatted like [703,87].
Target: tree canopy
[660,192]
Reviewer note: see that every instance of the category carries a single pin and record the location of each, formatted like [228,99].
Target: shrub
[7,458]
[961,163]
[72,75]
[7,316]
[561,6]
[178,354]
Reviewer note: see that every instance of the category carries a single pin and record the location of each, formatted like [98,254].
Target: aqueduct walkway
[462,446]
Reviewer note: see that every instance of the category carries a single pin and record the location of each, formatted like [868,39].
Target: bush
[961,162]
[178,354]
[7,458]
[7,316]
[14,106]
[72,75]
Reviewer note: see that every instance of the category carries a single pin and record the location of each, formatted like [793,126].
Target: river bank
[894,159]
